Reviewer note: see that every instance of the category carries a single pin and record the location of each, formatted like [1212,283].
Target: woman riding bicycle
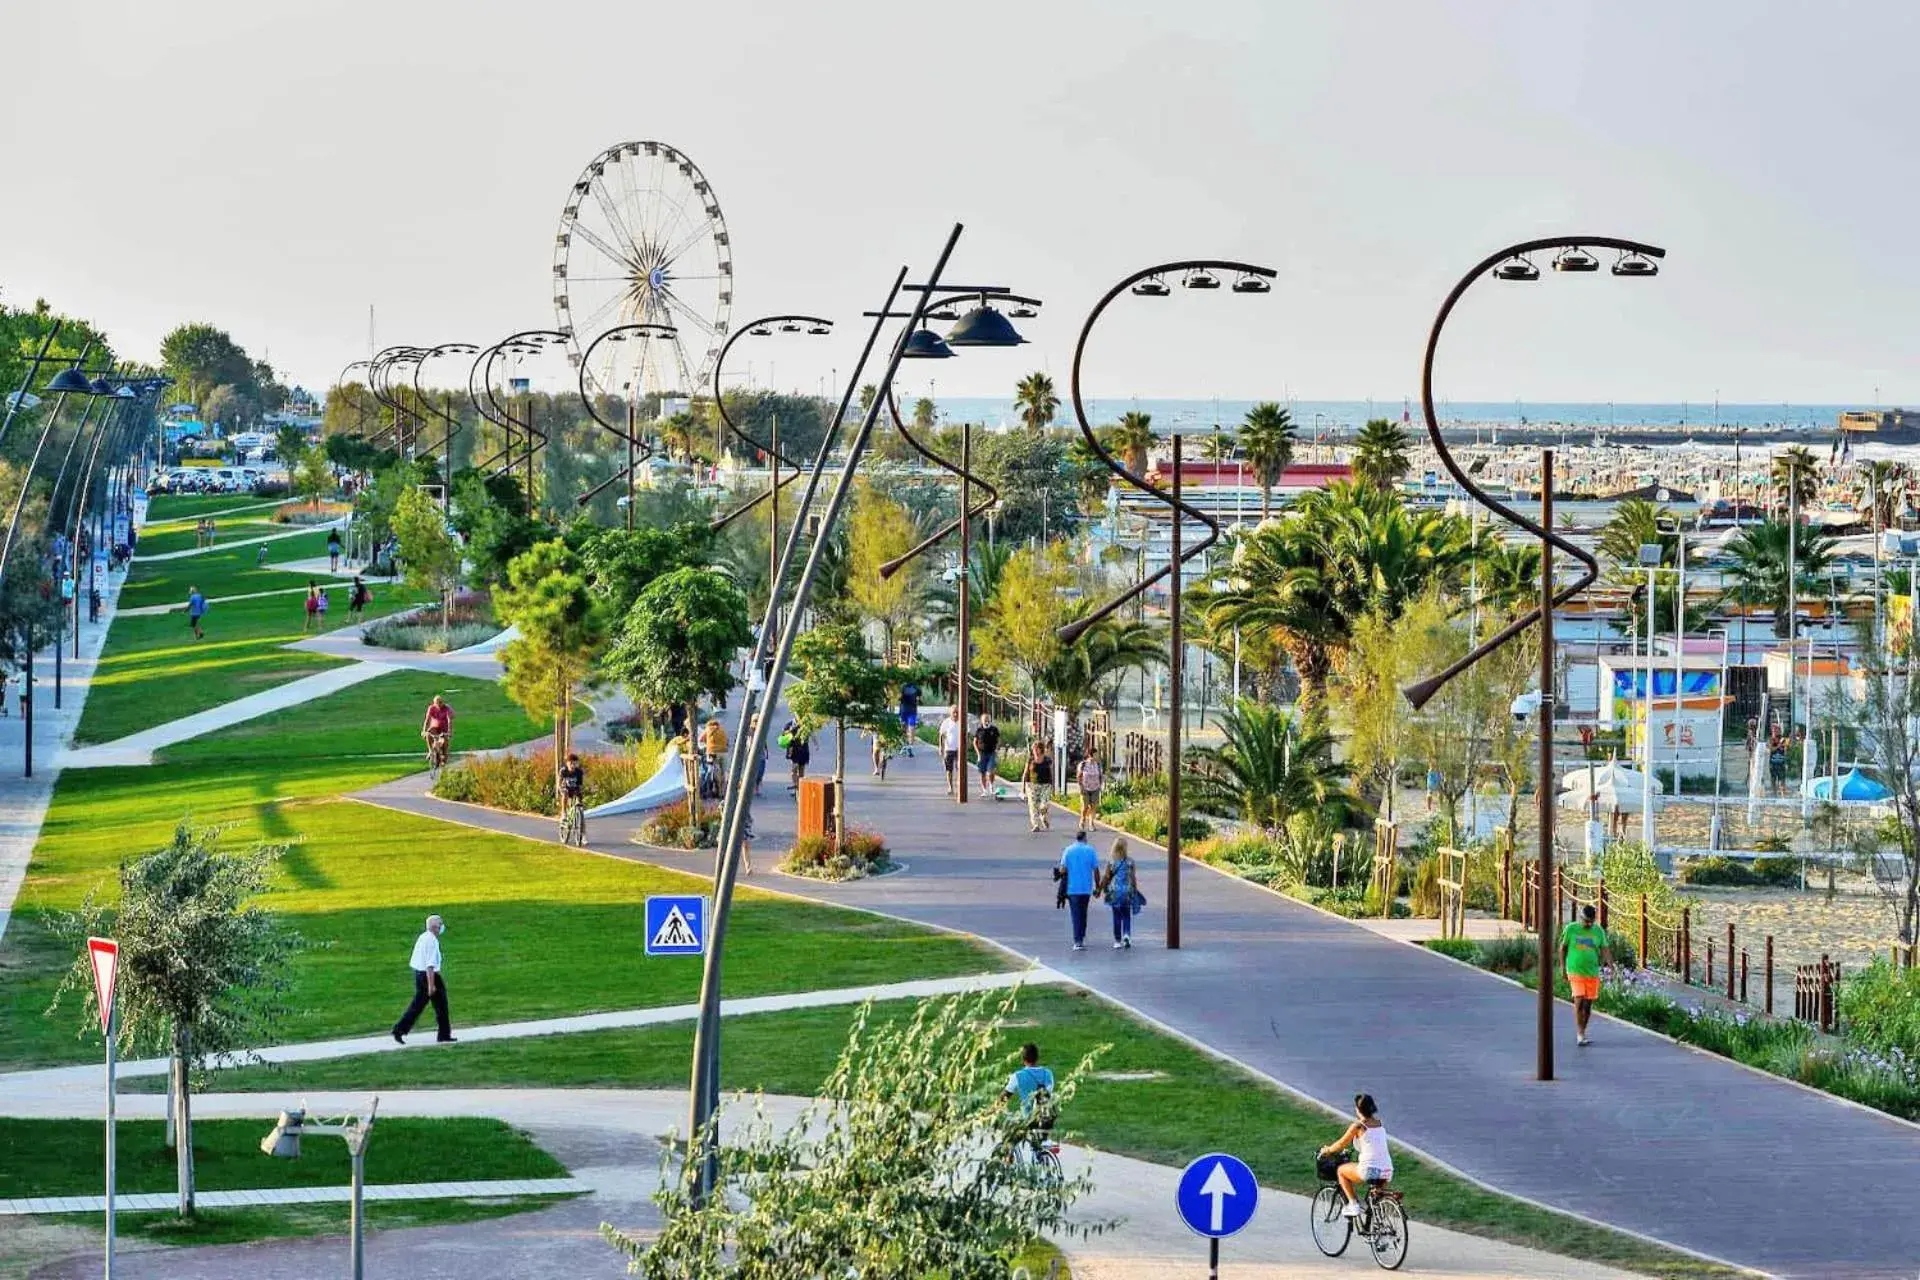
[1373,1162]
[437,729]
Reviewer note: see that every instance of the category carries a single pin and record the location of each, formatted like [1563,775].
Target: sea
[1346,416]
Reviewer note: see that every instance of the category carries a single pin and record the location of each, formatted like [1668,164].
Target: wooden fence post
[1743,975]
[1686,946]
[1506,883]
[1606,916]
[1709,962]
[1645,961]
[1828,971]
[1729,959]
[1769,975]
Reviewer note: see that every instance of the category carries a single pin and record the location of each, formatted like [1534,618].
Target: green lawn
[380,717]
[152,670]
[180,535]
[64,1157]
[229,571]
[191,506]
[1187,1105]
[533,929]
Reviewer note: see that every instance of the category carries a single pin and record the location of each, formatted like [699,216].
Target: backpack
[1089,774]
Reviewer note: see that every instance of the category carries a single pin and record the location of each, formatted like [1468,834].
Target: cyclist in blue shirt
[1031,1080]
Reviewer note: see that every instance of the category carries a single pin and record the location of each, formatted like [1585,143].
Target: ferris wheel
[642,241]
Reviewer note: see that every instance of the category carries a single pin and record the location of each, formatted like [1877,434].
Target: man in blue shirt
[1030,1079]
[1081,864]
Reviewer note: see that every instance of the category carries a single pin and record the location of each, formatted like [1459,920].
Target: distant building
[1881,424]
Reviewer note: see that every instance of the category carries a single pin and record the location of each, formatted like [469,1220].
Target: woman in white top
[1372,1162]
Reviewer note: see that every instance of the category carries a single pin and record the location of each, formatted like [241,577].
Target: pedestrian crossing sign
[676,925]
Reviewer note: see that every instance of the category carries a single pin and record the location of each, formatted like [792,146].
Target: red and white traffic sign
[105,954]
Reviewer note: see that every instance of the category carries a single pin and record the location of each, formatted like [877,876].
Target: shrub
[1782,873]
[524,783]
[1772,844]
[1148,820]
[1459,948]
[861,854]
[1880,1008]
[1716,870]
[674,827]
[1510,953]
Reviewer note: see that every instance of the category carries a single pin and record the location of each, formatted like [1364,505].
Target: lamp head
[1516,268]
[1635,264]
[1023,311]
[943,312]
[925,344]
[760,331]
[1201,279]
[1151,287]
[284,1141]
[984,327]
[1420,692]
[101,387]
[1252,284]
[1575,260]
[819,330]
[790,327]
[70,382]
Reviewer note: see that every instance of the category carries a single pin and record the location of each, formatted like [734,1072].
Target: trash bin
[816,807]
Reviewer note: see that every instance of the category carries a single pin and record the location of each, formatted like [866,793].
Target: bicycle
[436,752]
[1035,1149]
[1382,1221]
[573,822]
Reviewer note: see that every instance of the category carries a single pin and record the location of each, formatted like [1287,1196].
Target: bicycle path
[1637,1132]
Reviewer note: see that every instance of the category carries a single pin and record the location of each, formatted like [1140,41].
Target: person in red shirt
[437,729]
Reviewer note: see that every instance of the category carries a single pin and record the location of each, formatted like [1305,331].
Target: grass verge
[228,571]
[288,1221]
[1178,1105]
[64,1157]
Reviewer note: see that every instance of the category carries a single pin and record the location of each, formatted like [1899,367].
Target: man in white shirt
[428,985]
[950,747]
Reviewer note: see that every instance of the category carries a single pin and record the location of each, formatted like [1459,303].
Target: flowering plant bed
[861,854]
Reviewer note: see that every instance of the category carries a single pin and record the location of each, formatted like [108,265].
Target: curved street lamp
[359,412]
[526,342]
[637,449]
[379,382]
[1150,282]
[1637,259]
[762,328]
[444,413]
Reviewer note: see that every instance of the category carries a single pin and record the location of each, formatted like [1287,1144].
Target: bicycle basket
[1328,1167]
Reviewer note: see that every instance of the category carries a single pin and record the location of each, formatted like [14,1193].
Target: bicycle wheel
[1331,1228]
[1048,1165]
[1389,1237]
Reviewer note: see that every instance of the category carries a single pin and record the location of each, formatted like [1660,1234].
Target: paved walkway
[1326,1008]
[23,800]
[154,1200]
[239,542]
[1149,1241]
[50,1090]
[157,610]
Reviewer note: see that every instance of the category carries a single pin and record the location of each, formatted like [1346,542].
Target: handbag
[1138,902]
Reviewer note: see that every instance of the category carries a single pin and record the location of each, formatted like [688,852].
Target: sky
[276,169]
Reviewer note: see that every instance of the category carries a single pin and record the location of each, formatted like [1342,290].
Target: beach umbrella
[1612,799]
[1612,774]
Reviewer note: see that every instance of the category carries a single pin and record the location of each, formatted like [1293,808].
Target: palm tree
[1033,396]
[1268,436]
[1220,446]
[1272,766]
[676,435]
[983,580]
[1759,575]
[1508,573]
[1340,553]
[1636,523]
[1090,670]
[923,410]
[1382,454]
[1796,466]
[1883,491]
[1132,436]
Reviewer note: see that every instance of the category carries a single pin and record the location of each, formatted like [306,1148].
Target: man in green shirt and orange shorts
[1583,949]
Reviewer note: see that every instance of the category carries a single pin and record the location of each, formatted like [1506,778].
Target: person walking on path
[1120,886]
[986,750]
[1583,949]
[1082,867]
[196,610]
[358,597]
[950,734]
[1091,778]
[429,985]
[799,752]
[312,607]
[877,751]
[333,551]
[1037,775]
[320,609]
[909,714]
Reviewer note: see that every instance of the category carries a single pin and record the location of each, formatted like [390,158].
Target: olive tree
[901,1168]
[203,965]
[839,682]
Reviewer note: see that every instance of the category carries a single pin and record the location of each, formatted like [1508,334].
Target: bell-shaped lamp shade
[1634,264]
[101,387]
[790,326]
[1201,279]
[760,331]
[925,344]
[819,330]
[1516,269]
[984,327]
[1151,287]
[1023,311]
[1575,260]
[1252,284]
[70,382]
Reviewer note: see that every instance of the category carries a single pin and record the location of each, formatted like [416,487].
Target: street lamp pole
[1512,264]
[763,328]
[444,413]
[636,450]
[1197,274]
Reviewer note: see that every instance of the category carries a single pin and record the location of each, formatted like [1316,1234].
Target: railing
[1143,755]
[1453,893]
[1386,860]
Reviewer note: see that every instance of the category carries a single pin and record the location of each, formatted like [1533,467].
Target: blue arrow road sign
[1217,1196]
[676,925]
